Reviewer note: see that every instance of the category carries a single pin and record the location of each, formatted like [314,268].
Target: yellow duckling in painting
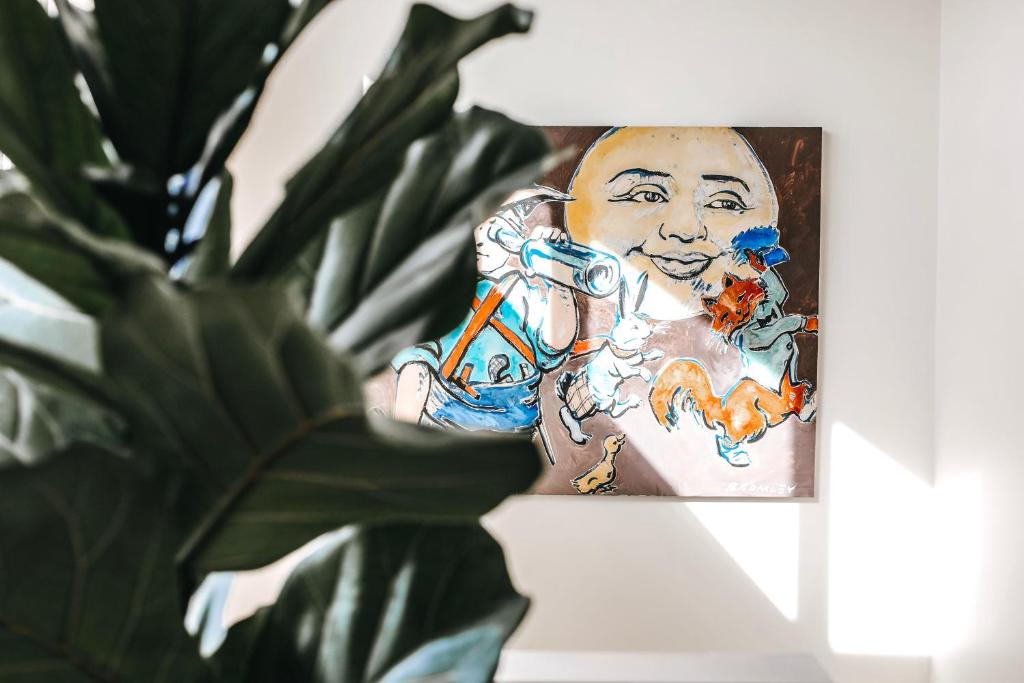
[599,478]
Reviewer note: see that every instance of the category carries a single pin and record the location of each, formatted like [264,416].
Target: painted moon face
[668,202]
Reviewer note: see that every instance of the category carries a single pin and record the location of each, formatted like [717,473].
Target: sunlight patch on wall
[882,569]
[961,544]
[764,540]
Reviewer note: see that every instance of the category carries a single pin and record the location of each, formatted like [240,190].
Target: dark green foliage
[44,126]
[221,424]
[414,235]
[420,602]
[269,429]
[162,72]
[411,98]
[378,223]
[89,591]
[37,421]
[211,217]
[84,268]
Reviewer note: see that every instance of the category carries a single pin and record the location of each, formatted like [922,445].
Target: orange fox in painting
[748,314]
[735,306]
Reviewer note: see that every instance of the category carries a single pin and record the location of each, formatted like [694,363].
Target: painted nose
[685,228]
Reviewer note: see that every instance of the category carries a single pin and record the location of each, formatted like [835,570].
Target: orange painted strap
[481,316]
[509,335]
[584,346]
[515,340]
[463,380]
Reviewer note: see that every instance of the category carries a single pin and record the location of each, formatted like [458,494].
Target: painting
[648,313]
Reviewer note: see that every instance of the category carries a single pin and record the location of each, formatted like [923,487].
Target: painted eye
[726,204]
[648,193]
[646,197]
[652,197]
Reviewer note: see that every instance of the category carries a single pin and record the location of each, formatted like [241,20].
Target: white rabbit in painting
[596,386]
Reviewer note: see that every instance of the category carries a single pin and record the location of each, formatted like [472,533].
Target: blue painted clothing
[501,377]
[767,346]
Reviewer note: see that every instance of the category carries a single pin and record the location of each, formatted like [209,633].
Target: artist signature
[737,487]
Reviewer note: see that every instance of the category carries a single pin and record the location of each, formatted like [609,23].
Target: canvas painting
[648,313]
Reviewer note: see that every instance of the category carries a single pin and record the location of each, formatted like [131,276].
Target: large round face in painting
[669,202]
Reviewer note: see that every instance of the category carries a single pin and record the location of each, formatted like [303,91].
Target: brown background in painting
[793,159]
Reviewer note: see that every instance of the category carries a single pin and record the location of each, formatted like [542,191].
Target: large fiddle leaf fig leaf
[387,604]
[45,128]
[232,123]
[37,421]
[31,313]
[233,386]
[411,98]
[68,377]
[28,432]
[175,83]
[31,240]
[401,266]
[88,590]
[162,72]
[401,184]
[209,224]
[85,269]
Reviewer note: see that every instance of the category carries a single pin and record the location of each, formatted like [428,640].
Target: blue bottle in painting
[593,272]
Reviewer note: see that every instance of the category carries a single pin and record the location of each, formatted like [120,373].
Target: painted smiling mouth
[681,266]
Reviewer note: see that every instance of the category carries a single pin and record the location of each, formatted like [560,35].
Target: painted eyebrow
[642,172]
[726,179]
[734,194]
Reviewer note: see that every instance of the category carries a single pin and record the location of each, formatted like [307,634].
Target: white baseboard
[536,666]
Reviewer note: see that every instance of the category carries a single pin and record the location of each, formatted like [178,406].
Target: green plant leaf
[232,123]
[36,421]
[416,270]
[31,313]
[83,268]
[388,604]
[88,591]
[209,225]
[245,433]
[411,98]
[232,385]
[45,128]
[141,199]
[82,382]
[161,72]
[28,433]
[30,241]
[175,84]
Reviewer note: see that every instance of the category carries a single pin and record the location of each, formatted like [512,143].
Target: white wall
[979,458]
[845,578]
